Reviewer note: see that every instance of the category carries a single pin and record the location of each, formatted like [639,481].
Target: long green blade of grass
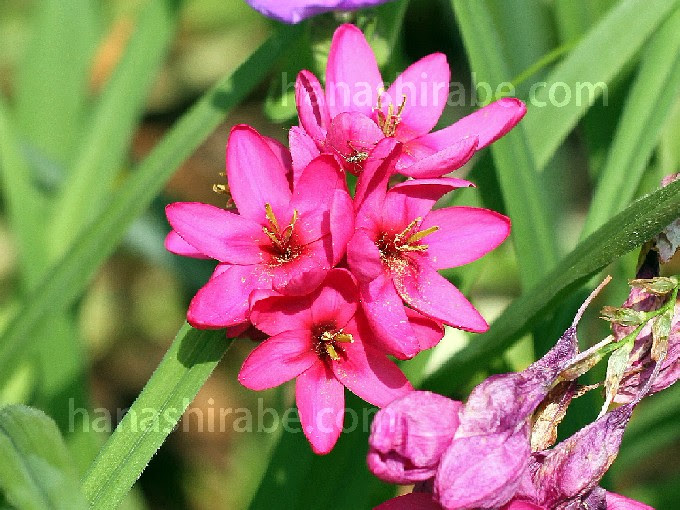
[611,44]
[70,276]
[523,194]
[192,357]
[629,229]
[105,146]
[648,106]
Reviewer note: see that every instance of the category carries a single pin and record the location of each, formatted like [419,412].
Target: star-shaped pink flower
[322,340]
[284,238]
[354,112]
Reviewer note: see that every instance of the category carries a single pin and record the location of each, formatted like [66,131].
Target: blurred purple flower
[294,11]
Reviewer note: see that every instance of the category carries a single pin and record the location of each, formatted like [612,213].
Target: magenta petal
[283,155]
[425,85]
[387,317]
[302,149]
[276,314]
[410,435]
[223,301]
[350,134]
[277,360]
[256,175]
[421,162]
[363,257]
[175,244]
[433,295]
[412,501]
[465,234]
[336,300]
[311,106]
[314,197]
[372,183]
[415,198]
[352,75]
[488,124]
[220,234]
[304,273]
[367,372]
[428,331]
[482,471]
[618,502]
[294,11]
[320,399]
[523,505]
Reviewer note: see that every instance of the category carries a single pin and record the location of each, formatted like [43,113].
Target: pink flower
[399,245]
[322,340]
[284,238]
[294,11]
[354,113]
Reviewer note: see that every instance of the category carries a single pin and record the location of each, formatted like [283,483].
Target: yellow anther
[419,235]
[269,212]
[330,350]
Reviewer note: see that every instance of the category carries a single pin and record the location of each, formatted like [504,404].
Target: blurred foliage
[89,89]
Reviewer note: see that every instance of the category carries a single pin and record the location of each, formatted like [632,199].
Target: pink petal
[523,505]
[465,234]
[433,295]
[352,75]
[421,162]
[412,501]
[256,175]
[387,317]
[350,134]
[336,300]
[311,106]
[415,198]
[283,155]
[220,234]
[428,331]
[303,150]
[363,257]
[372,183]
[320,399]
[223,301]
[488,124]
[321,187]
[275,314]
[175,244]
[304,273]
[238,330]
[367,372]
[410,435]
[341,222]
[277,360]
[425,85]
[618,502]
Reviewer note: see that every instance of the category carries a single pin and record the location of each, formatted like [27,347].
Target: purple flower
[294,11]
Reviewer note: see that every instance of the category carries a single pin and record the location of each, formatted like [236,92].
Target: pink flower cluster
[338,282]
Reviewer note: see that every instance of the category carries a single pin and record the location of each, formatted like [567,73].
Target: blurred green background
[57,60]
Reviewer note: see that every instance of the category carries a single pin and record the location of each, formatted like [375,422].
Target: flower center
[283,243]
[389,122]
[327,338]
[393,247]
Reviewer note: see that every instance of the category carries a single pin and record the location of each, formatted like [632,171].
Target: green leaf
[598,58]
[575,17]
[648,107]
[54,75]
[523,193]
[70,276]
[106,144]
[191,359]
[629,229]
[36,472]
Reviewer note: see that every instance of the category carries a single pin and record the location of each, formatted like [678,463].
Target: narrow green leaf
[26,206]
[629,229]
[523,192]
[54,75]
[587,71]
[575,17]
[36,472]
[70,276]
[106,144]
[192,357]
[648,106]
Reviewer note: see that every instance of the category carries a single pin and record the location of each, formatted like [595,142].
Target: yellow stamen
[330,350]
[343,338]
[408,229]
[419,235]
[270,217]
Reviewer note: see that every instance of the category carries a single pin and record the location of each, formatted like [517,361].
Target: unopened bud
[623,316]
[660,286]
